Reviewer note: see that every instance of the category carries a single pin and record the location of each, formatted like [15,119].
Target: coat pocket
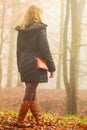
[27,62]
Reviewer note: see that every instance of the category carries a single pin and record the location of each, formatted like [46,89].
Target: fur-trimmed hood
[32,27]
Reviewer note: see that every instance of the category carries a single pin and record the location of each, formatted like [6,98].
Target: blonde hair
[33,13]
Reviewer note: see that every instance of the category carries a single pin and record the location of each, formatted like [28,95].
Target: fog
[13,14]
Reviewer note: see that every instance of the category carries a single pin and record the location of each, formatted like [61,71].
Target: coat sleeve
[45,50]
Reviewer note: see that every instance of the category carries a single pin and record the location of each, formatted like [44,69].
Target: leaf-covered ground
[51,101]
[49,122]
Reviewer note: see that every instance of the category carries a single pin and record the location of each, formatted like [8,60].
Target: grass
[9,117]
[47,116]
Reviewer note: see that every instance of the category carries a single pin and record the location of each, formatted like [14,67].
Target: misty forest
[63,100]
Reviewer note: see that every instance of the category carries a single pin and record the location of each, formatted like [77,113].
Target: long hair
[33,13]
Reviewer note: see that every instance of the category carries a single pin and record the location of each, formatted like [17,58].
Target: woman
[32,38]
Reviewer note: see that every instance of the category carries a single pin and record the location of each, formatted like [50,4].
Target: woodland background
[12,12]
[67,35]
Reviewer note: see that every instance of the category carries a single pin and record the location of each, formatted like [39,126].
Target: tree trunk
[19,83]
[10,60]
[65,70]
[59,70]
[76,15]
[81,5]
[2,31]
[11,50]
[74,56]
[1,45]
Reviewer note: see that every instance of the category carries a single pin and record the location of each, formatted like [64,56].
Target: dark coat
[34,36]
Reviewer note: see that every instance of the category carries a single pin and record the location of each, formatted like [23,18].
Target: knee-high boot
[36,112]
[22,113]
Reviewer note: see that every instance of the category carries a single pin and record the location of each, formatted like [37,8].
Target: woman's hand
[51,75]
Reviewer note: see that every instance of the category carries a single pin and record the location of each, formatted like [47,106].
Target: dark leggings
[30,92]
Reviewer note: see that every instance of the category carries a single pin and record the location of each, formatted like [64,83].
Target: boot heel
[22,125]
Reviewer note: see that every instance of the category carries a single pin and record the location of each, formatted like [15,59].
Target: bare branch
[82,45]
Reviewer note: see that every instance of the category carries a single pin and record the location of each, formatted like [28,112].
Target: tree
[19,83]
[75,49]
[11,49]
[1,44]
[71,84]
[14,5]
[59,69]
[65,71]
[74,56]
[2,32]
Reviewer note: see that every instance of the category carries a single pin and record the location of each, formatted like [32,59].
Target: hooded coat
[34,36]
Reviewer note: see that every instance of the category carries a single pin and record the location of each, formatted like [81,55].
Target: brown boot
[35,111]
[22,113]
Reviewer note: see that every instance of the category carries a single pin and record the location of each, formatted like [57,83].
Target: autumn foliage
[49,122]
